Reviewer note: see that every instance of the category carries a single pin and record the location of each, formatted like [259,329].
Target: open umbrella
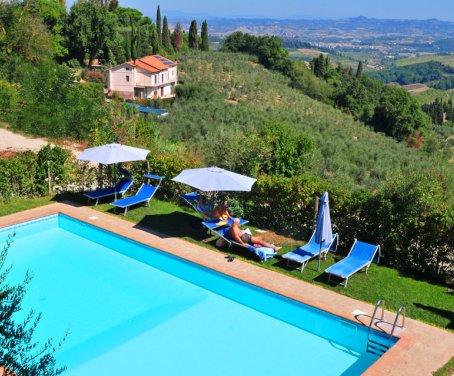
[323,230]
[213,179]
[113,153]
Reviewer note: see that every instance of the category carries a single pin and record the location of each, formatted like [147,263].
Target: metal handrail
[379,302]
[399,312]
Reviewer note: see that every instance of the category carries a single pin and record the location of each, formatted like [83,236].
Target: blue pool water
[131,309]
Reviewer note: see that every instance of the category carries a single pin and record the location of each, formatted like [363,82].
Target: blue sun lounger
[119,189]
[360,256]
[143,195]
[263,253]
[302,255]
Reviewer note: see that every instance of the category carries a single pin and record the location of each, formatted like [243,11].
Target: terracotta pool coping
[421,350]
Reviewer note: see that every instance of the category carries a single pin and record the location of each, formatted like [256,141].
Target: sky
[403,9]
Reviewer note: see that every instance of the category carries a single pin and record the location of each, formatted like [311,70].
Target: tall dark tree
[154,40]
[159,26]
[205,37]
[359,70]
[177,37]
[166,37]
[193,35]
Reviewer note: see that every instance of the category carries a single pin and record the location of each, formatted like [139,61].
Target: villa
[150,77]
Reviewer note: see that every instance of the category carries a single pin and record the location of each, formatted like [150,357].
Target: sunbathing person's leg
[259,240]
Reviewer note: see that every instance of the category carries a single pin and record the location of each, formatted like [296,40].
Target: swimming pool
[133,309]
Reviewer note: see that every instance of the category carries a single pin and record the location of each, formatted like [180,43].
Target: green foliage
[412,217]
[399,114]
[358,96]
[225,96]
[9,97]
[415,73]
[285,204]
[205,46]
[19,354]
[25,175]
[90,30]
[268,49]
[287,152]
[159,26]
[166,37]
[52,105]
[177,37]
[24,35]
[193,35]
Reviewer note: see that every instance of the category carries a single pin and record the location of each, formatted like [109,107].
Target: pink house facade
[150,77]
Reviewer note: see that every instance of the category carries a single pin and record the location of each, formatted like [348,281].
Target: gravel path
[13,142]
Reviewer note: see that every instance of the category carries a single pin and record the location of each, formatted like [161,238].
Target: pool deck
[421,350]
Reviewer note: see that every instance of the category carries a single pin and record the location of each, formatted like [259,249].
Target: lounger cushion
[144,194]
[121,187]
[299,255]
[346,267]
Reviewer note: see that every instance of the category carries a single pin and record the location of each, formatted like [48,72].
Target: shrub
[95,76]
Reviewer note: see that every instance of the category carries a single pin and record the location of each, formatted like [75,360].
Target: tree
[29,37]
[399,114]
[113,6]
[159,26]
[177,37]
[154,40]
[359,70]
[90,31]
[205,37]
[193,35]
[19,355]
[166,37]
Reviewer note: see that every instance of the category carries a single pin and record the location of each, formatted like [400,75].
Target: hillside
[230,95]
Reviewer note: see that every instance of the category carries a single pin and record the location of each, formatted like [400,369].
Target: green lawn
[425,301]
[447,370]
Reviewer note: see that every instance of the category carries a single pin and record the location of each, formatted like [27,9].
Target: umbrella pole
[320,255]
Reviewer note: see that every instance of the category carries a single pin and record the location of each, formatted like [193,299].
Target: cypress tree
[159,26]
[166,42]
[205,37]
[359,70]
[154,39]
[193,35]
[177,37]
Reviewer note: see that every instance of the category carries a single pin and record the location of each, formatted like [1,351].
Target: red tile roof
[153,63]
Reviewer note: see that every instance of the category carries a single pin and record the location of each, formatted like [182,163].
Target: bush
[93,75]
[25,175]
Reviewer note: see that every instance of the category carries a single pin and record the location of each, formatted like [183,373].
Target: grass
[444,59]
[17,205]
[446,370]
[425,301]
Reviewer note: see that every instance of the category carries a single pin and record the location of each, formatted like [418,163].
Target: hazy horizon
[288,9]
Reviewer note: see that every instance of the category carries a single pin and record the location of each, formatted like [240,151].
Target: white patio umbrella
[113,153]
[213,179]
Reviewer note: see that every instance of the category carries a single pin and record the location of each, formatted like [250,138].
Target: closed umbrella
[113,153]
[323,230]
[213,179]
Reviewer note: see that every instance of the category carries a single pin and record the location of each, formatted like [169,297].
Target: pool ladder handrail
[377,347]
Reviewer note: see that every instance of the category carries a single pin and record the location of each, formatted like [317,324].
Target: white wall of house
[122,78]
[125,78]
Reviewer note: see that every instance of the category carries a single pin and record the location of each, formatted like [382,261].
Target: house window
[127,78]
[155,79]
[127,68]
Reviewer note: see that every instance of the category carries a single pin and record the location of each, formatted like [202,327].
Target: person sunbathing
[246,239]
[220,211]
